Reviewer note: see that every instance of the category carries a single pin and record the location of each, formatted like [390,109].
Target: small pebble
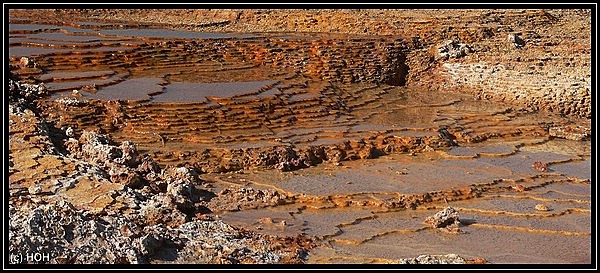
[541,207]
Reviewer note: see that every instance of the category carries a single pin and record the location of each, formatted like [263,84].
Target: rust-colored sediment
[308,123]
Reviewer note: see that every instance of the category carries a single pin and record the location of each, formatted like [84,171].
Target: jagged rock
[35,189]
[172,173]
[542,207]
[447,217]
[453,49]
[19,93]
[149,244]
[68,236]
[96,148]
[72,145]
[69,132]
[26,62]
[335,154]
[447,136]
[161,209]
[282,158]
[219,246]
[570,132]
[542,167]
[368,152]
[148,166]
[129,154]
[517,41]
[182,194]
[71,101]
[126,177]
[434,259]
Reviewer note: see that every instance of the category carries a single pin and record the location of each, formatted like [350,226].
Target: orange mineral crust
[300,136]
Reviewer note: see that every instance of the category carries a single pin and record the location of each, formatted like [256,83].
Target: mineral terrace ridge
[299,136]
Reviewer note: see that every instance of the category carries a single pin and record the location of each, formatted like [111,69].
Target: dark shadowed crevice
[399,72]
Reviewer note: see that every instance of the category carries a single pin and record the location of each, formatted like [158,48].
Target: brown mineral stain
[351,139]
